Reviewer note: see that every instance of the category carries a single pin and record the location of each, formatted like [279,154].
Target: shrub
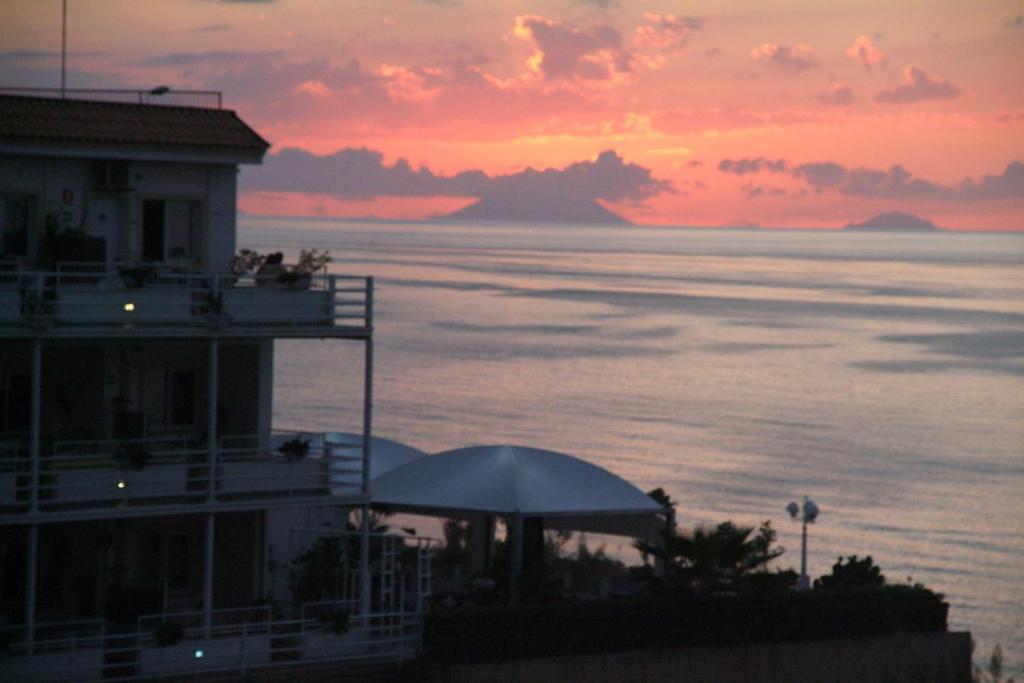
[567,628]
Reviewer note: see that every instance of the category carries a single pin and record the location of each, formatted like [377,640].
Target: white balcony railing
[239,639]
[86,295]
[172,470]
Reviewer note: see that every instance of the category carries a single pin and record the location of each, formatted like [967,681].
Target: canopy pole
[516,558]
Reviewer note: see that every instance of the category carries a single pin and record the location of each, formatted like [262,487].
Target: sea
[881,374]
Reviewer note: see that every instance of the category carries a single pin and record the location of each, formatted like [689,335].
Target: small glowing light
[199,654]
[129,307]
[121,484]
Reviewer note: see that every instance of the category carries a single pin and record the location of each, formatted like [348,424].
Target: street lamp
[807,514]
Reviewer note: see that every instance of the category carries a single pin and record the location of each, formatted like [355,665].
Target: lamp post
[806,513]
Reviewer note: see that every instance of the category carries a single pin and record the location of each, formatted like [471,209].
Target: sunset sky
[784,113]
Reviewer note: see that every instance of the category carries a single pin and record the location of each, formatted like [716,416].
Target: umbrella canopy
[508,480]
[344,451]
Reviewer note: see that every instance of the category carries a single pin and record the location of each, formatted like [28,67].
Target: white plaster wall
[289,533]
[215,185]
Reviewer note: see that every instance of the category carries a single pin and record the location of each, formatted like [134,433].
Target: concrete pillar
[365,593]
[515,529]
[481,540]
[211,414]
[208,576]
[35,424]
[30,586]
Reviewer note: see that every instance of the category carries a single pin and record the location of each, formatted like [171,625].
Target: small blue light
[199,654]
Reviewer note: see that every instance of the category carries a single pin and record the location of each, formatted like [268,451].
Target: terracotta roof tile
[48,119]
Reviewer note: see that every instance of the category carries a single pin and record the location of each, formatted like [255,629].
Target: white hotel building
[141,478]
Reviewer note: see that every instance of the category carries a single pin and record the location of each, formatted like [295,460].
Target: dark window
[170,229]
[153,230]
[182,398]
[16,404]
[179,561]
[15,210]
[151,558]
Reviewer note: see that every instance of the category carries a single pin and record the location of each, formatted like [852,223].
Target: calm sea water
[881,374]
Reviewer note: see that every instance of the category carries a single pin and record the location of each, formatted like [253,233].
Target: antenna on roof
[63,50]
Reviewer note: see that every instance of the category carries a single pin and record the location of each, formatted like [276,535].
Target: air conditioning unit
[113,175]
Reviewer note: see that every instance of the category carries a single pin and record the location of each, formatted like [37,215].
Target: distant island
[893,221]
[505,208]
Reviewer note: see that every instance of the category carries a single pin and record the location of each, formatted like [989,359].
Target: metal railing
[237,648]
[173,469]
[202,99]
[88,294]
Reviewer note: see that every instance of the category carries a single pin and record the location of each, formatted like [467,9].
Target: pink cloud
[565,52]
[865,52]
[840,95]
[896,182]
[917,86]
[797,58]
[361,173]
[665,32]
[409,85]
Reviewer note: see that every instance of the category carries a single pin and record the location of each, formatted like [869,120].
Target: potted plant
[295,449]
[310,261]
[245,262]
[136,276]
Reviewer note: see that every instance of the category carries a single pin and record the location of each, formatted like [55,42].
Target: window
[15,214]
[15,404]
[170,229]
[181,398]
[179,562]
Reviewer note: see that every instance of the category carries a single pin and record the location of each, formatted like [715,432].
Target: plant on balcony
[246,261]
[136,276]
[295,449]
[132,455]
[168,634]
[310,261]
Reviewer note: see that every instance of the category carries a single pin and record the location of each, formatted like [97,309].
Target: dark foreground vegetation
[666,622]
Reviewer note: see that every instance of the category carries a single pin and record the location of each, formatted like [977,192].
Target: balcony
[86,299]
[167,472]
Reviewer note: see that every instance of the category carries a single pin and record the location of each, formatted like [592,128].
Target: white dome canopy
[344,452]
[508,480]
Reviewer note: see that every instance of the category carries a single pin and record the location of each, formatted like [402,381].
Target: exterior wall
[288,535]
[66,188]
[934,657]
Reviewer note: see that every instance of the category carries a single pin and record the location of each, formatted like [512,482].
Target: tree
[723,557]
[854,574]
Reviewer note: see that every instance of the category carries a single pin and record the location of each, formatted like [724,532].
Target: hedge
[485,634]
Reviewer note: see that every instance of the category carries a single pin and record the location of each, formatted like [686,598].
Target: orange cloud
[408,84]
[865,52]
[840,95]
[799,57]
[567,53]
[917,86]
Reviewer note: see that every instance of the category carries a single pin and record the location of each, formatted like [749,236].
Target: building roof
[43,119]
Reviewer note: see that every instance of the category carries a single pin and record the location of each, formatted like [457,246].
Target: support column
[515,578]
[35,424]
[211,415]
[30,586]
[208,577]
[365,593]
[365,589]
[35,434]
